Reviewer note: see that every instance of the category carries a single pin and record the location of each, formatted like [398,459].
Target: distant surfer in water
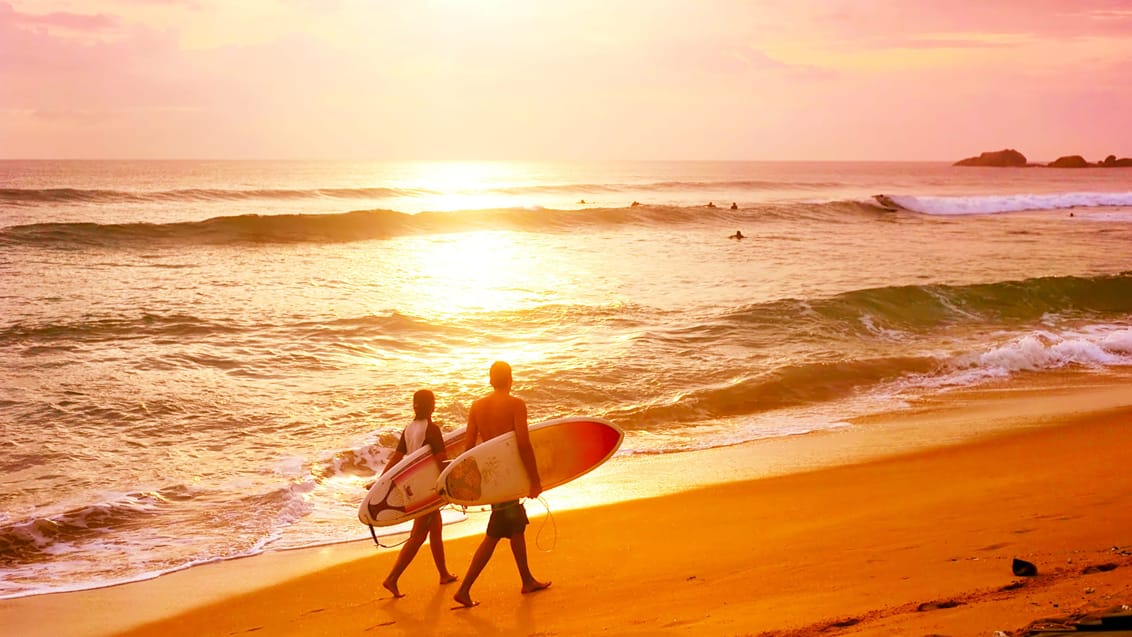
[496,414]
[887,203]
[417,434]
[734,206]
[738,235]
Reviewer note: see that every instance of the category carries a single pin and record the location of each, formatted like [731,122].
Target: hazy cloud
[56,20]
[586,78]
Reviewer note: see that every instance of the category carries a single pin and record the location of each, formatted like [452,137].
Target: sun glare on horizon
[445,186]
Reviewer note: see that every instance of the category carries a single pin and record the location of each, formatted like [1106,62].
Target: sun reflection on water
[471,273]
[490,294]
[489,285]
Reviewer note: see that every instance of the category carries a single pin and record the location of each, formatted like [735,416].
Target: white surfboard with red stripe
[565,449]
[408,490]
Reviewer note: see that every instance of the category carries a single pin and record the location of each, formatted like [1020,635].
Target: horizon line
[496,160]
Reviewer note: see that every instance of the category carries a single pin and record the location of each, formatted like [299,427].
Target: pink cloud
[70,115]
[649,79]
[61,20]
[50,72]
[192,4]
[882,22]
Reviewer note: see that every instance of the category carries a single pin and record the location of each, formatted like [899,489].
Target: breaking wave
[991,204]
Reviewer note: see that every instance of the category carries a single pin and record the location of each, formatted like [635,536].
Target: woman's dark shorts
[507,519]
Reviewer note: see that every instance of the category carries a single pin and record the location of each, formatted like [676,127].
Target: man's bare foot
[535,585]
[464,599]
[448,578]
[392,588]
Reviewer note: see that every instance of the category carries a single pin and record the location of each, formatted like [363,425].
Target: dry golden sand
[918,543]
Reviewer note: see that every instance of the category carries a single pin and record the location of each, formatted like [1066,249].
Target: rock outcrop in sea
[1070,161]
[1002,158]
[1112,162]
[1012,158]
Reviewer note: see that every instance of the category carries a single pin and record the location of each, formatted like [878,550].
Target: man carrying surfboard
[496,414]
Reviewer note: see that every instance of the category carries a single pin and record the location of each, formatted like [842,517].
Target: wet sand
[878,529]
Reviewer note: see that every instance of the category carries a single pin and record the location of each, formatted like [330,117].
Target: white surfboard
[565,449]
[408,490]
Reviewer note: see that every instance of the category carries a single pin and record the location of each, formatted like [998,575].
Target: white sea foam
[990,204]
[1118,342]
[1090,347]
[1046,350]
[869,323]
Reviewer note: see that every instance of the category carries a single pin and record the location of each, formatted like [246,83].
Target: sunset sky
[576,79]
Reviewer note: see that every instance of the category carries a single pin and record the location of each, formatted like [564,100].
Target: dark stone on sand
[1112,621]
[1022,568]
[926,606]
[1069,161]
[999,158]
[1117,617]
[1098,568]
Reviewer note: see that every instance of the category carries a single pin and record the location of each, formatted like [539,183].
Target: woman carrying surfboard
[422,431]
[494,415]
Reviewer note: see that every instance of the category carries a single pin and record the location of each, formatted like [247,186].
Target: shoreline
[626,542]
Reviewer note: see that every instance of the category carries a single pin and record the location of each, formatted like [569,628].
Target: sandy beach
[866,531]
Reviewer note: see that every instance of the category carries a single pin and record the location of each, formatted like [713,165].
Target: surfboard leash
[373,533]
[549,518]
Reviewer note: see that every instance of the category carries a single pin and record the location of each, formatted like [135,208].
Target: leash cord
[373,533]
[554,528]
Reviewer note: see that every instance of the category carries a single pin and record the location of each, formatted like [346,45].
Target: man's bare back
[495,415]
[498,413]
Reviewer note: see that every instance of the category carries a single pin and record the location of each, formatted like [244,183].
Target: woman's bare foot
[535,585]
[448,578]
[464,599]
[392,588]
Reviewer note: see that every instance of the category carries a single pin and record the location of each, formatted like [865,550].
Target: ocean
[204,360]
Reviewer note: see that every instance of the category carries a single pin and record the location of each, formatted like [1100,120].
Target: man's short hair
[500,375]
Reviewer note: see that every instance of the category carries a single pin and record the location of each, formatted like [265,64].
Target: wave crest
[991,204]
[886,311]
